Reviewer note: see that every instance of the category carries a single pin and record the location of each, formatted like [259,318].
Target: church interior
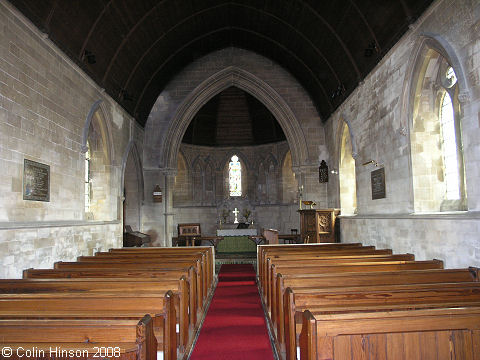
[210,129]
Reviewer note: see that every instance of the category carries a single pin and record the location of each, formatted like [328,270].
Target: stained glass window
[235,176]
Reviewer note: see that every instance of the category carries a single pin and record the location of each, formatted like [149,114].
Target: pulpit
[319,225]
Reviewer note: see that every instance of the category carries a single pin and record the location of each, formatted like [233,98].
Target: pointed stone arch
[422,97]
[346,156]
[132,185]
[234,76]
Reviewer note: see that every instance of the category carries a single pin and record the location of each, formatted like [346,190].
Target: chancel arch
[346,166]
[246,81]
[438,171]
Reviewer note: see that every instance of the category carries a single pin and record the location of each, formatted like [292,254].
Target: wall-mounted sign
[378,184]
[36,181]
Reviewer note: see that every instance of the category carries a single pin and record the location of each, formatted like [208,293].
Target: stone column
[153,219]
[169,181]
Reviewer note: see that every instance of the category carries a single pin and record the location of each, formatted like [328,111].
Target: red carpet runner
[234,327]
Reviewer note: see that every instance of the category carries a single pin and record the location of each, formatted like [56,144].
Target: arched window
[438,173]
[235,176]
[88,183]
[348,186]
[101,204]
[449,147]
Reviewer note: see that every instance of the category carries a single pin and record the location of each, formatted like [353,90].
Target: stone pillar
[153,219]
[169,181]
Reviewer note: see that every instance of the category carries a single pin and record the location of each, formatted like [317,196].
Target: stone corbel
[464,97]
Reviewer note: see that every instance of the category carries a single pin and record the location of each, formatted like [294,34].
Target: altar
[236,240]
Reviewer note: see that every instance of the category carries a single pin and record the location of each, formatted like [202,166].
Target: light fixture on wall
[374,162]
[334,171]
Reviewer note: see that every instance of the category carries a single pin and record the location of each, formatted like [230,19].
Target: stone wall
[45,100]
[269,188]
[380,119]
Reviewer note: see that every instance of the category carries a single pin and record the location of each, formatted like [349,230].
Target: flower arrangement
[225,214]
[246,214]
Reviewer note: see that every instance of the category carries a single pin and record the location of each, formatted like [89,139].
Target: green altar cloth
[236,244]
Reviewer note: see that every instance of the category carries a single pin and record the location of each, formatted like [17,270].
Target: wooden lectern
[318,225]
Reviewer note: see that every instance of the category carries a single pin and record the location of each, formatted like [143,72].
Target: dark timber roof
[133,48]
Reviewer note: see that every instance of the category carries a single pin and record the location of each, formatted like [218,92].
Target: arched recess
[289,182]
[97,146]
[426,91]
[346,167]
[234,76]
[133,186]
[182,185]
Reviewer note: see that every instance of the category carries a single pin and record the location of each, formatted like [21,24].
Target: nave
[322,301]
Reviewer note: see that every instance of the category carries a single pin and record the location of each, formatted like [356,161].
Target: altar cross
[236,212]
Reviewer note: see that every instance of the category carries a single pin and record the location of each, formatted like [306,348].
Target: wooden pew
[209,252]
[145,265]
[265,266]
[413,335]
[105,304]
[178,287]
[195,299]
[264,250]
[324,281]
[333,258]
[79,339]
[373,298]
[199,258]
[318,266]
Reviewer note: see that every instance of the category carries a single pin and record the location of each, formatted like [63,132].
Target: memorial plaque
[378,184]
[36,181]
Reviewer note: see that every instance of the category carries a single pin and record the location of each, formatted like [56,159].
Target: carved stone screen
[36,181]
[378,184]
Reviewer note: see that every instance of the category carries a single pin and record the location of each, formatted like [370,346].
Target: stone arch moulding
[99,104]
[344,121]
[133,150]
[234,76]
[442,46]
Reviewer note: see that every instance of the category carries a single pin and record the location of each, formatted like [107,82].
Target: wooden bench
[413,335]
[202,286]
[195,297]
[79,339]
[104,304]
[315,266]
[120,285]
[194,258]
[208,252]
[324,281]
[373,298]
[367,250]
[264,250]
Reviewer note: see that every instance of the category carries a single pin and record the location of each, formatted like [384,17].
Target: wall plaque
[36,181]
[378,184]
